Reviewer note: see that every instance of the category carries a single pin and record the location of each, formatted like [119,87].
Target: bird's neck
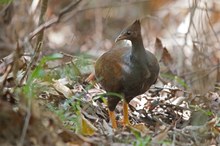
[137,48]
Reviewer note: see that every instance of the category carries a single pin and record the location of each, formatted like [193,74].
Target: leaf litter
[64,110]
[165,114]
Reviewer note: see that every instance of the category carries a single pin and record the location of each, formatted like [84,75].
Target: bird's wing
[109,73]
[109,69]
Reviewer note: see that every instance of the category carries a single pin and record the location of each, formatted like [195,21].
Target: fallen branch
[54,20]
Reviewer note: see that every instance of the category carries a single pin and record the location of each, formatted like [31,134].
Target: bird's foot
[124,123]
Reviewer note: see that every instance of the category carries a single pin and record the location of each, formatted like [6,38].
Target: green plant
[204,111]
[142,141]
[175,78]
[5,1]
[38,73]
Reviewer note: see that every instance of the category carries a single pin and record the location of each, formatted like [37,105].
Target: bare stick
[34,59]
[54,20]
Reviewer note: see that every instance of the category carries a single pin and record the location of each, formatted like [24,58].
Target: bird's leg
[112,119]
[125,114]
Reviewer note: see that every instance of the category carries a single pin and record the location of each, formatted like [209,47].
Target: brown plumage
[128,71]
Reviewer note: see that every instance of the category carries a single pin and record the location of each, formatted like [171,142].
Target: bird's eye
[128,32]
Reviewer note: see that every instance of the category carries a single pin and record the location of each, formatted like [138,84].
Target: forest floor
[67,110]
[45,99]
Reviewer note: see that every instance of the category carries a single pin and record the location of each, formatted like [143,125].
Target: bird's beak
[120,37]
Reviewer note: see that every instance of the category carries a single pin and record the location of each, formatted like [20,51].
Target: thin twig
[210,24]
[54,20]
[26,123]
[42,27]
[34,59]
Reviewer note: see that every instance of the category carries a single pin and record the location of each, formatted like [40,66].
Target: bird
[127,70]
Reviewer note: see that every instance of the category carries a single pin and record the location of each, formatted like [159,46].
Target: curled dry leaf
[161,136]
[214,125]
[71,138]
[142,129]
[213,101]
[166,57]
[107,128]
[90,78]
[60,87]
[162,53]
[86,127]
[158,49]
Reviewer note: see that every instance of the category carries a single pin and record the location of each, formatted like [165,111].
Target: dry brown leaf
[161,136]
[158,48]
[213,124]
[163,56]
[72,139]
[86,127]
[108,129]
[90,78]
[141,128]
[166,57]
[214,101]
[60,87]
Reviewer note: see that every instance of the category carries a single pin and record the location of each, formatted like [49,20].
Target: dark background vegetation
[48,48]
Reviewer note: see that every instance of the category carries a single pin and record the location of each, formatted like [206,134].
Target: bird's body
[126,74]
[127,70]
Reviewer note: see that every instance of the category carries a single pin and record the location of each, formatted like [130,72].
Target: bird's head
[132,32]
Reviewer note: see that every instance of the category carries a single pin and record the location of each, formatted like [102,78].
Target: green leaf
[76,70]
[38,73]
[5,1]
[84,63]
[54,56]
[176,78]
[51,57]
